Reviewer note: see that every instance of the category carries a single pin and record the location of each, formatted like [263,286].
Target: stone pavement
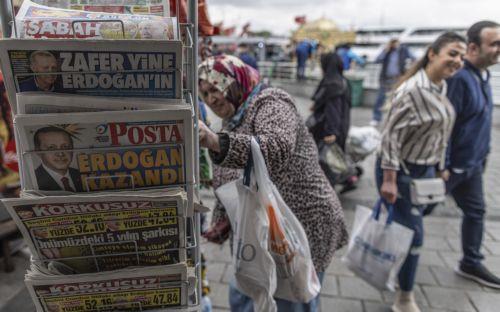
[438,287]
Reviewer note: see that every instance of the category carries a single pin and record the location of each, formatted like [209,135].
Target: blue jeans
[241,303]
[385,86]
[408,215]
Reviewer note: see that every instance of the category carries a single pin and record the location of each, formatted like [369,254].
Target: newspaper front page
[110,231]
[97,151]
[42,22]
[138,289]
[155,7]
[114,68]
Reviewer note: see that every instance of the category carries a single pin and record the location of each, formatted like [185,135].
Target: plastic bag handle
[378,207]
[249,165]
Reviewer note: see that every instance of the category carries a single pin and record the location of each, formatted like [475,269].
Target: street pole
[6,17]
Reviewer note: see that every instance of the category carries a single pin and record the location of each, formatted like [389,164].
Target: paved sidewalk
[438,287]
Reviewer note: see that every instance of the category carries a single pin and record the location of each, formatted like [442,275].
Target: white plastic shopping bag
[274,231]
[377,247]
[288,244]
[254,269]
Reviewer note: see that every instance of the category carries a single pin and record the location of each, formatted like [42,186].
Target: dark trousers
[408,215]
[466,188]
[467,191]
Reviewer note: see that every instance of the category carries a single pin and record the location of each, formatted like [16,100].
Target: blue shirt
[348,56]
[249,60]
[393,65]
[470,93]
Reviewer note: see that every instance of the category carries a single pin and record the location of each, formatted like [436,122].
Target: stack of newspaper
[39,21]
[107,150]
[136,289]
[108,231]
[105,143]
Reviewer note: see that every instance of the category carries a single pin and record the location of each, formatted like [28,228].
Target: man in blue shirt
[246,57]
[348,56]
[470,93]
[394,59]
[303,51]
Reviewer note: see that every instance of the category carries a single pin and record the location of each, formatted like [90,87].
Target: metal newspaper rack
[188,34]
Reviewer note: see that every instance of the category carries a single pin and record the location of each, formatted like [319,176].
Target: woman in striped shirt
[414,142]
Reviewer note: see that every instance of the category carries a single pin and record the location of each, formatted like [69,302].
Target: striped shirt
[418,125]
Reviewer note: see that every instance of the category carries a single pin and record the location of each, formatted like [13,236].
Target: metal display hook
[7,20]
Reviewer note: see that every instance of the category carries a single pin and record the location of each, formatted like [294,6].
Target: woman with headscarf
[332,103]
[331,116]
[249,108]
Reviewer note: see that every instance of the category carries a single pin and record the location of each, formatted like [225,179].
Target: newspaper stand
[188,34]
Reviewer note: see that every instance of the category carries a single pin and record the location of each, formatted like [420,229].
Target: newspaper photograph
[54,103]
[103,232]
[36,21]
[139,289]
[117,68]
[110,151]
[154,7]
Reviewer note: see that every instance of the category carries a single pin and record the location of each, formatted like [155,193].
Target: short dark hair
[48,129]
[474,32]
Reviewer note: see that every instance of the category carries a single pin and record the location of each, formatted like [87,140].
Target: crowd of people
[439,124]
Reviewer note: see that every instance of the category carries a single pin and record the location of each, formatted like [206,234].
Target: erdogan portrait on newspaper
[46,63]
[55,174]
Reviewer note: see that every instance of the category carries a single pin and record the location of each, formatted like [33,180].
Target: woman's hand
[329,139]
[445,175]
[389,188]
[208,138]
[389,191]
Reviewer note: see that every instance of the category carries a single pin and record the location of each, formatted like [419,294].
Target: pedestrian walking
[348,56]
[414,142]
[303,52]
[249,108]
[394,59]
[246,56]
[332,103]
[470,93]
[331,117]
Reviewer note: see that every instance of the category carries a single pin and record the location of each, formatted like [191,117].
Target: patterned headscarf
[231,76]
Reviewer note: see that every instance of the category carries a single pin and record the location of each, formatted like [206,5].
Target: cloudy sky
[278,15]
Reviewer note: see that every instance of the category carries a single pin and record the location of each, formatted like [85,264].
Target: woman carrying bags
[248,108]
[329,123]
[414,141]
[332,103]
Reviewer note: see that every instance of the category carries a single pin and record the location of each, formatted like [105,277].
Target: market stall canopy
[205,28]
[325,31]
